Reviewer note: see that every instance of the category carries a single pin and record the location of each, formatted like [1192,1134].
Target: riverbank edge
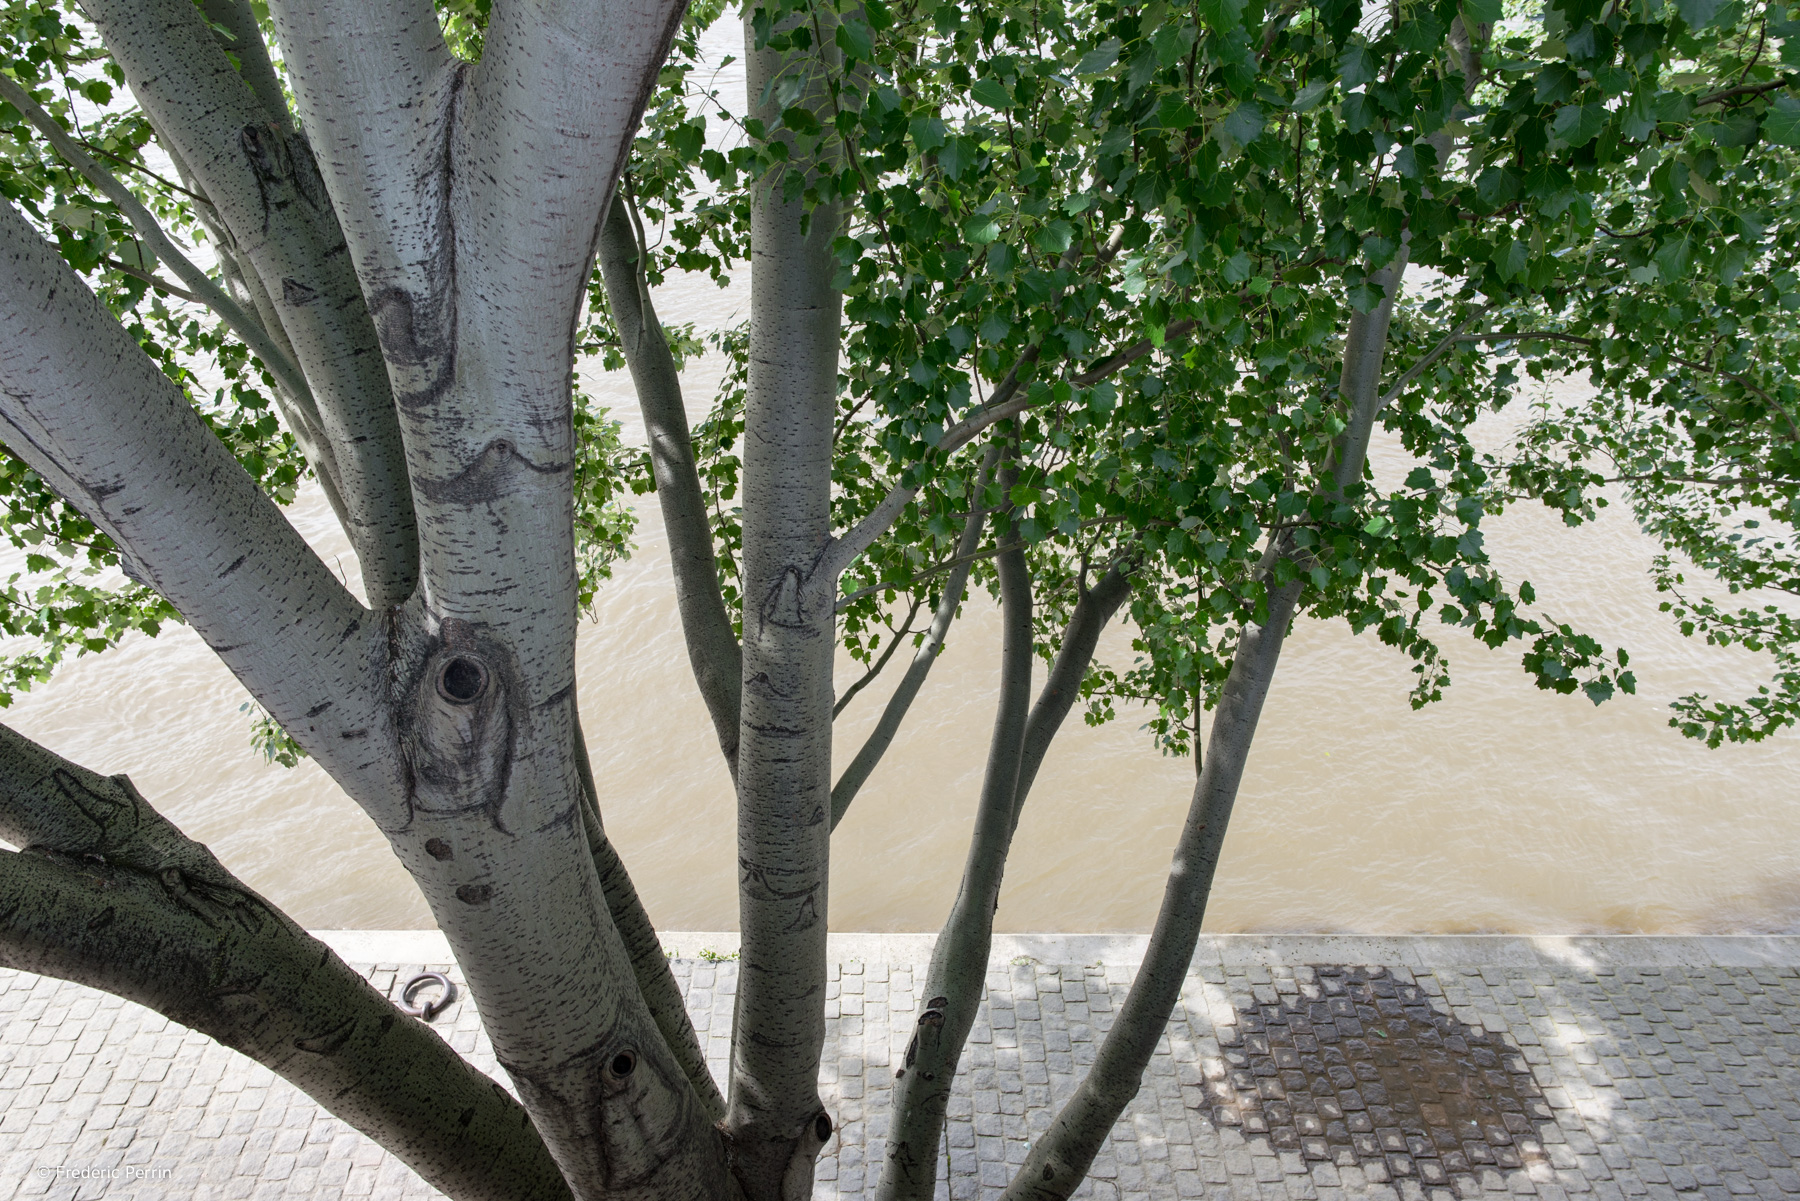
[1581,951]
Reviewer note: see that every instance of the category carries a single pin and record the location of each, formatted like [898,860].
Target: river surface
[1501,808]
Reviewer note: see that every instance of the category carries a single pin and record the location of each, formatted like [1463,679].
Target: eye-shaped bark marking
[637,1135]
[783,606]
[282,176]
[458,725]
[418,341]
[495,472]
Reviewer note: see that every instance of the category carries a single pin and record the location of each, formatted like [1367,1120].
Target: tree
[1087,304]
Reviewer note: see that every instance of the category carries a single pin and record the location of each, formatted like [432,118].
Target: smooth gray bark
[111,895]
[470,199]
[1062,686]
[1059,1159]
[656,982]
[263,184]
[713,649]
[954,982]
[955,583]
[94,416]
[776,1123]
[448,717]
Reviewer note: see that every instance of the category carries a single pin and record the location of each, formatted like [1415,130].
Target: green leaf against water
[991,92]
[1099,59]
[1781,124]
[1699,14]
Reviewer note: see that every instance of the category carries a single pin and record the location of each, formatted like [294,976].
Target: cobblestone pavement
[1295,1067]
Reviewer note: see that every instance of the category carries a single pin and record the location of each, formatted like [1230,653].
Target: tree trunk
[776,1123]
[713,650]
[1059,1160]
[956,979]
[111,895]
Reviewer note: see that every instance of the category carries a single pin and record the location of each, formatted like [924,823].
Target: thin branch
[1754,89]
[153,281]
[205,291]
[881,663]
[1437,352]
[850,598]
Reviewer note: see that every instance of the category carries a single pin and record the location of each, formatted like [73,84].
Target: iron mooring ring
[429,1009]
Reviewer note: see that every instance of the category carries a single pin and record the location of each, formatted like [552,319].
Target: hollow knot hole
[822,1127]
[623,1064]
[462,680]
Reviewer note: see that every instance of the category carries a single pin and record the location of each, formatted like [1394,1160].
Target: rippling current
[1501,808]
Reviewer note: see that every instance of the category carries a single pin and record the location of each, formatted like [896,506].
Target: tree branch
[880,665]
[958,971]
[713,650]
[111,895]
[201,288]
[265,188]
[882,736]
[656,983]
[1063,685]
[96,418]
[1059,1159]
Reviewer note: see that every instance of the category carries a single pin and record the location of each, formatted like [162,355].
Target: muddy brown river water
[1501,808]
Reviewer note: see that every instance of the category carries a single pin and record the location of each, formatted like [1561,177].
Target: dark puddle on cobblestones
[1361,1069]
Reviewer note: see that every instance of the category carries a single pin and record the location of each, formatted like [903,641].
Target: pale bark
[263,184]
[472,239]
[712,647]
[94,416]
[111,895]
[1062,687]
[656,982]
[1059,1159]
[776,1123]
[954,982]
[955,583]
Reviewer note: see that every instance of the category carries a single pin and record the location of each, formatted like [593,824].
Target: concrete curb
[1579,951]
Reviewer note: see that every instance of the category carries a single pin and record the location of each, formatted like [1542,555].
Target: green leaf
[1578,124]
[1222,15]
[991,92]
[1245,124]
[800,120]
[1781,124]
[1699,13]
[1055,237]
[928,133]
[856,39]
[1099,59]
[1482,12]
[1356,67]
[1309,96]
[980,229]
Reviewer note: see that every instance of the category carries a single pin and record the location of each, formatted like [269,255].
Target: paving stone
[1277,1081]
